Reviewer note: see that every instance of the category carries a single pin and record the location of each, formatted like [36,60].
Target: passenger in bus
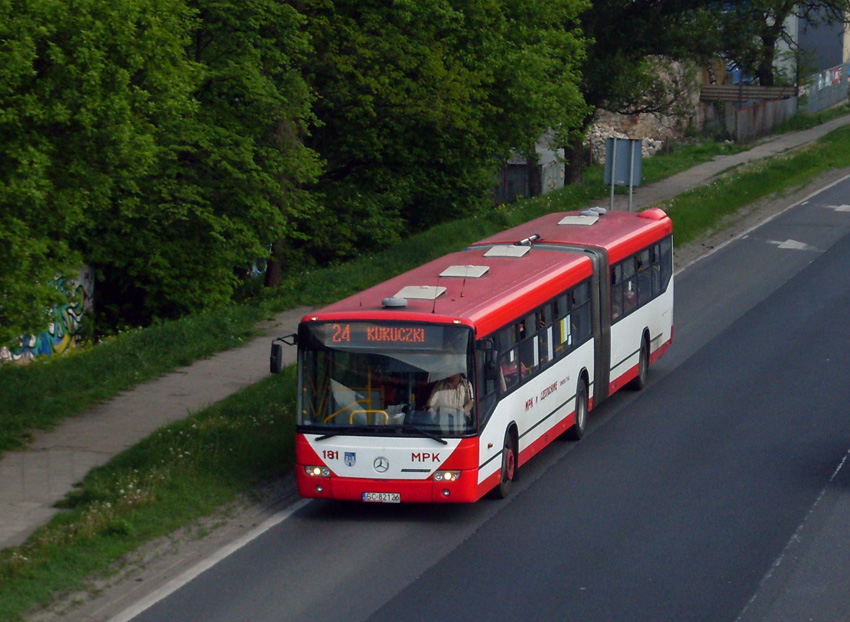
[454,392]
[508,372]
[616,309]
[629,298]
[527,361]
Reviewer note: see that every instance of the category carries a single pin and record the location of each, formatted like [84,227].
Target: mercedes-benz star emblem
[381,464]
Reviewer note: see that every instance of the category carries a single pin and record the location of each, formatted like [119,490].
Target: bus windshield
[391,378]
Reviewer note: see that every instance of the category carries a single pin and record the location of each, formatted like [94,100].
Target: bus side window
[644,277]
[628,268]
[506,344]
[509,368]
[655,270]
[491,382]
[666,262]
[528,344]
[487,374]
[561,328]
[616,292]
[528,327]
[629,296]
[629,286]
[545,335]
[581,294]
[580,314]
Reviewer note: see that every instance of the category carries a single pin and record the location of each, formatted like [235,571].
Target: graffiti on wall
[65,329]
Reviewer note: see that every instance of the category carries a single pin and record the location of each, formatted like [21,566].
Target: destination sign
[367,335]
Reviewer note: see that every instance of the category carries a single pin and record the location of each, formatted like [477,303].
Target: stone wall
[656,130]
[610,125]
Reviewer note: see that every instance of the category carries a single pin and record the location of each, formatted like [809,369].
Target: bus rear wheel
[576,432]
[509,467]
[639,381]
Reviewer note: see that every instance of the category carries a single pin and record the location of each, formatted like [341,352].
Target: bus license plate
[382,497]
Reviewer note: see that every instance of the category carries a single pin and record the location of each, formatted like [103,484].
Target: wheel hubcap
[510,464]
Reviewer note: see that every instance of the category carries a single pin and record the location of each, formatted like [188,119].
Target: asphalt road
[680,504]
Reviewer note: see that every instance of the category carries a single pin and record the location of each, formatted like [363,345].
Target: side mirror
[276,356]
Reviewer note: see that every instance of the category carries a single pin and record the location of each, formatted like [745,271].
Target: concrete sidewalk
[664,190]
[34,479]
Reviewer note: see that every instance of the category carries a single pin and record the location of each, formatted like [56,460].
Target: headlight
[446,476]
[317,471]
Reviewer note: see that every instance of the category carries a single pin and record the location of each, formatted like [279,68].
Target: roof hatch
[507,251]
[586,218]
[465,272]
[581,219]
[420,292]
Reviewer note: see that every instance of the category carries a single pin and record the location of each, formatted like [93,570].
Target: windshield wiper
[380,428]
[418,430]
[346,429]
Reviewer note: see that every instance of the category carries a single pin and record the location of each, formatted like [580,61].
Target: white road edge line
[838,468]
[175,584]
[759,224]
[795,537]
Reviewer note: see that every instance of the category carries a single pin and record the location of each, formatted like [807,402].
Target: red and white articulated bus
[438,384]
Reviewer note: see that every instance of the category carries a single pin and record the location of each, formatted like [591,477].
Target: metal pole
[633,144]
[613,156]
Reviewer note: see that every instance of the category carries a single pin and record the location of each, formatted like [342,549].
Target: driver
[454,392]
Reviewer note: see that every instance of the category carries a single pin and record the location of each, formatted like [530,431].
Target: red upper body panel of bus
[511,286]
[619,233]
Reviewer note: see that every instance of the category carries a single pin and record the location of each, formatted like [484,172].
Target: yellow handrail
[356,411]
[370,412]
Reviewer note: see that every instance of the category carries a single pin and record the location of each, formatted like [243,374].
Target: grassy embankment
[190,468]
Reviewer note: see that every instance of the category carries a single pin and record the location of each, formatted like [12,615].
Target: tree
[32,244]
[393,108]
[631,40]
[752,30]
[418,104]
[77,91]
[170,143]
[538,77]
[229,159]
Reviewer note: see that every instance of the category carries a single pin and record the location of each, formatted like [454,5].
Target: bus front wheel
[509,466]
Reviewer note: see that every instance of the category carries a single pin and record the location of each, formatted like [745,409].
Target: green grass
[804,121]
[189,469]
[182,472]
[663,165]
[38,395]
[704,209]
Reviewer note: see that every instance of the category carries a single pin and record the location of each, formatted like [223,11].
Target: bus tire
[579,427]
[509,466]
[639,381]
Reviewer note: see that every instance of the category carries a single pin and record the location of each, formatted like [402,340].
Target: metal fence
[824,89]
[759,118]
